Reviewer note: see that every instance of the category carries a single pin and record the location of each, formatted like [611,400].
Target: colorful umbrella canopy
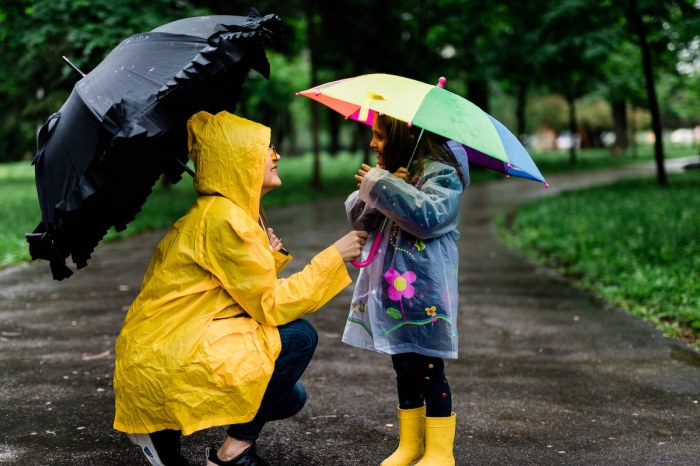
[433,108]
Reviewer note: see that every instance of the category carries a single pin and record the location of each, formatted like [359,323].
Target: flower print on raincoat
[199,343]
[418,249]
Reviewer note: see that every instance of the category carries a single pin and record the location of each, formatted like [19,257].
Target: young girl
[405,301]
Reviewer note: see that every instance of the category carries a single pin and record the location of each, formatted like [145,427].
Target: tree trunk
[647,65]
[633,131]
[364,137]
[334,131]
[619,114]
[572,128]
[316,182]
[520,110]
[478,93]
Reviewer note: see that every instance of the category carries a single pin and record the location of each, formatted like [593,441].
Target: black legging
[422,379]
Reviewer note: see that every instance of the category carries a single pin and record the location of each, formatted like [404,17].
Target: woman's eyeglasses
[274,151]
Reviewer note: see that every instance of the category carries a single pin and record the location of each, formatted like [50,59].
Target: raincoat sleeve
[282,259]
[238,254]
[361,216]
[427,210]
[463,158]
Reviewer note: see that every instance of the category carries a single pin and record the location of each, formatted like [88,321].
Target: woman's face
[271,179]
[378,141]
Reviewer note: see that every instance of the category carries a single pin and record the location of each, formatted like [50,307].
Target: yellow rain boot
[439,440]
[411,438]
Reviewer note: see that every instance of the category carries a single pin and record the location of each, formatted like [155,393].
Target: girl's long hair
[400,143]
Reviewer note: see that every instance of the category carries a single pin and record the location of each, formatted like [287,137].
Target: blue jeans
[285,395]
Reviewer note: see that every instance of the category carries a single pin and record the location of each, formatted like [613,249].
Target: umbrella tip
[507,176]
[441,81]
[297,94]
[546,185]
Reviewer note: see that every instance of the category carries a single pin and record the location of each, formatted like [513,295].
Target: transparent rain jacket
[199,343]
[406,300]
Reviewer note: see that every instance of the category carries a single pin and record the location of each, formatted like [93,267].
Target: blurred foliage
[633,243]
[502,55]
[34,35]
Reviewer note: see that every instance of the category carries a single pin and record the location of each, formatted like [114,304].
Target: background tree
[515,39]
[640,28]
[463,38]
[575,48]
[363,36]
[660,30]
[622,87]
[35,34]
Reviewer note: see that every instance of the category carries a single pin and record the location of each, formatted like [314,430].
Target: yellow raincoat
[199,343]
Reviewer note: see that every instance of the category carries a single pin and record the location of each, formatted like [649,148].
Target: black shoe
[247,458]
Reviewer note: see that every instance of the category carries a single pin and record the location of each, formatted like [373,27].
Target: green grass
[557,161]
[633,243]
[19,209]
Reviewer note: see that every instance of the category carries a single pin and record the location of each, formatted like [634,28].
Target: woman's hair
[401,141]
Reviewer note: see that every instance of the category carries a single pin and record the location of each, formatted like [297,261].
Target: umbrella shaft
[415,148]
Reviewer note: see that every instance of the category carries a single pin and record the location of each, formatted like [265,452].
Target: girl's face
[378,141]
[271,179]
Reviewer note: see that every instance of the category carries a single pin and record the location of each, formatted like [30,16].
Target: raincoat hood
[229,157]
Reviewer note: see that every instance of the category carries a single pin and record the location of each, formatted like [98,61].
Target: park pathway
[547,373]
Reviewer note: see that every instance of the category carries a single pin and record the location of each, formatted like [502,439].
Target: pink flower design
[400,284]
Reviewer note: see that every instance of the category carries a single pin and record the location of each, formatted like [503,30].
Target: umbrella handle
[372,251]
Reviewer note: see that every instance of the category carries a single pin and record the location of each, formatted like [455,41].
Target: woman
[405,301]
[214,337]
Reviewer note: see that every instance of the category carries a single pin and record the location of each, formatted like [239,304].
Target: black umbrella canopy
[124,125]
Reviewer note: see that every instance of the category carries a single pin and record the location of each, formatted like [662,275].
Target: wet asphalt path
[547,374]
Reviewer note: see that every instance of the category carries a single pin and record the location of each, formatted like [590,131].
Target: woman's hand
[350,246]
[364,168]
[275,242]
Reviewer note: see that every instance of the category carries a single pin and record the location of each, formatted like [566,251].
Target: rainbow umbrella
[432,108]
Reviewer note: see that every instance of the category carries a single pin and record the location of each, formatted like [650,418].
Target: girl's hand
[402,173]
[275,242]
[364,168]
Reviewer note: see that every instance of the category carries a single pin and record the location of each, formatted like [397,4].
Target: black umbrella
[124,125]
